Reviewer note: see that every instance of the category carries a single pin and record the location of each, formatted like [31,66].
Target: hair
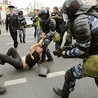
[37,10]
[56,8]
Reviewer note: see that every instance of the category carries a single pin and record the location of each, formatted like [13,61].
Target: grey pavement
[35,86]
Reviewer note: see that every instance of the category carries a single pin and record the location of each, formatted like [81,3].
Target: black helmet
[43,14]
[70,7]
[20,12]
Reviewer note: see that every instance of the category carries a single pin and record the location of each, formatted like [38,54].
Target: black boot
[20,37]
[64,93]
[67,87]
[58,92]
[49,57]
[2,90]
[24,38]
[24,41]
[20,40]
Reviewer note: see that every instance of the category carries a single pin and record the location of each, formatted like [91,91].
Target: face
[54,10]
[11,10]
[39,50]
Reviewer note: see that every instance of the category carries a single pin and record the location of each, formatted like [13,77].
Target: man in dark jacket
[61,25]
[13,23]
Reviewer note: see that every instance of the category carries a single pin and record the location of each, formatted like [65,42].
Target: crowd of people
[80,21]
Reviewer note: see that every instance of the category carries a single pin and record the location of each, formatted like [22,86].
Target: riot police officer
[22,32]
[85,30]
[48,27]
[13,23]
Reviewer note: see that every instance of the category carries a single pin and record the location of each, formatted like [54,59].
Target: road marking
[55,74]
[10,43]
[5,34]
[26,42]
[30,41]
[13,82]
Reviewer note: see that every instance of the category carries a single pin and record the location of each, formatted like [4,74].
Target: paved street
[27,83]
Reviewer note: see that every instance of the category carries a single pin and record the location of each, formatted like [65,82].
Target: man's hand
[59,53]
[56,16]
[63,53]
[41,42]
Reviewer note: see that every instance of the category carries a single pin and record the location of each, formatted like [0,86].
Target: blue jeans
[22,34]
[38,33]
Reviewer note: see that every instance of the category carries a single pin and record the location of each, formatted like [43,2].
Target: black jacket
[12,22]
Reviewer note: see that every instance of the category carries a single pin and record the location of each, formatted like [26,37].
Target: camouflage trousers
[89,67]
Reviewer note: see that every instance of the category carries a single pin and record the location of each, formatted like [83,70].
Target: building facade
[3,8]
[90,2]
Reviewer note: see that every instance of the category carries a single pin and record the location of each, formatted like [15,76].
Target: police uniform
[12,22]
[48,26]
[85,30]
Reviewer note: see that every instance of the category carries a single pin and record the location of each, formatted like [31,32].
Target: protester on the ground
[13,58]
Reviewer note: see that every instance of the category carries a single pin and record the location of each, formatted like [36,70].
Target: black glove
[58,52]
